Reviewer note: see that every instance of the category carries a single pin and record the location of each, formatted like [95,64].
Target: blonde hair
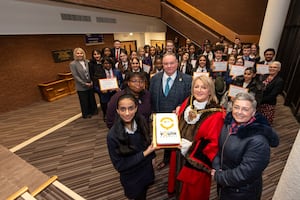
[209,84]
[277,63]
[81,50]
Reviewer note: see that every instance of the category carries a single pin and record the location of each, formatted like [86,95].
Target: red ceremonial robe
[195,173]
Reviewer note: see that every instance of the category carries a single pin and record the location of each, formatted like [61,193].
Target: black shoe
[96,112]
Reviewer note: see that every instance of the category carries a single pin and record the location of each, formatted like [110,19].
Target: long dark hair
[125,148]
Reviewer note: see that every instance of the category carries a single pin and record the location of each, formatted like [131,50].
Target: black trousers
[87,102]
[167,155]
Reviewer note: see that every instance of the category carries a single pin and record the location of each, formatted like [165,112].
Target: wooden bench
[54,90]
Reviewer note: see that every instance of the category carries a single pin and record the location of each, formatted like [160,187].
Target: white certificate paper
[165,130]
[262,69]
[248,63]
[146,68]
[108,84]
[234,90]
[237,70]
[220,66]
[196,74]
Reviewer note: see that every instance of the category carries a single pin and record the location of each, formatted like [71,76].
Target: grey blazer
[80,75]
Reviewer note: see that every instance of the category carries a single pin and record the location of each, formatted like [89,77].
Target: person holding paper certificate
[249,81]
[244,151]
[200,123]
[130,149]
[109,72]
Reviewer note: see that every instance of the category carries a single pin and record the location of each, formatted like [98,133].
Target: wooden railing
[210,22]
[67,193]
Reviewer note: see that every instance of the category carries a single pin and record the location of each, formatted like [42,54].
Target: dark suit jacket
[113,52]
[181,87]
[188,69]
[272,90]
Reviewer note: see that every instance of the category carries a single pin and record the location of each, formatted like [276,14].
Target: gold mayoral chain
[193,112]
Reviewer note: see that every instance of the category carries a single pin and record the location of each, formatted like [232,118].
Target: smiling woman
[130,148]
[200,123]
[244,151]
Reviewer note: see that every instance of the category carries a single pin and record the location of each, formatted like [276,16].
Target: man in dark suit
[269,56]
[168,90]
[117,50]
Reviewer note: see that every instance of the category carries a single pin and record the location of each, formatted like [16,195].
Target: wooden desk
[55,89]
[69,78]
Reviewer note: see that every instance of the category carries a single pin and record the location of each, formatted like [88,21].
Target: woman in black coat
[130,149]
[273,86]
[244,151]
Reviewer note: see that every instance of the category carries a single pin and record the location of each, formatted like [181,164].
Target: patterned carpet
[77,152]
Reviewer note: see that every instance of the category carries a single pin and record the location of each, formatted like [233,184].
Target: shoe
[96,112]
[89,116]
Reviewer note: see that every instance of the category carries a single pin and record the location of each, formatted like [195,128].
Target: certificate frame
[234,90]
[237,70]
[172,128]
[108,84]
[262,69]
[220,66]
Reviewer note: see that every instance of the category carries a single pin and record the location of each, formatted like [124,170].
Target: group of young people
[230,147]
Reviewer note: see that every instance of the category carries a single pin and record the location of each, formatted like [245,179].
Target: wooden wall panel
[243,17]
[185,25]
[142,7]
[27,61]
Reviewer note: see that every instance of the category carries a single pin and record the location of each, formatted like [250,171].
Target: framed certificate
[108,84]
[196,74]
[249,63]
[234,90]
[220,66]
[262,69]
[237,70]
[165,130]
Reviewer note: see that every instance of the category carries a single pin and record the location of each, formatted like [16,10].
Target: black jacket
[242,158]
[272,90]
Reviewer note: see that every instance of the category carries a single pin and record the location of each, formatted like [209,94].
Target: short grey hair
[246,96]
[276,63]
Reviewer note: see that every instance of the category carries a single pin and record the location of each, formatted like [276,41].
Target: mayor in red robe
[200,123]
